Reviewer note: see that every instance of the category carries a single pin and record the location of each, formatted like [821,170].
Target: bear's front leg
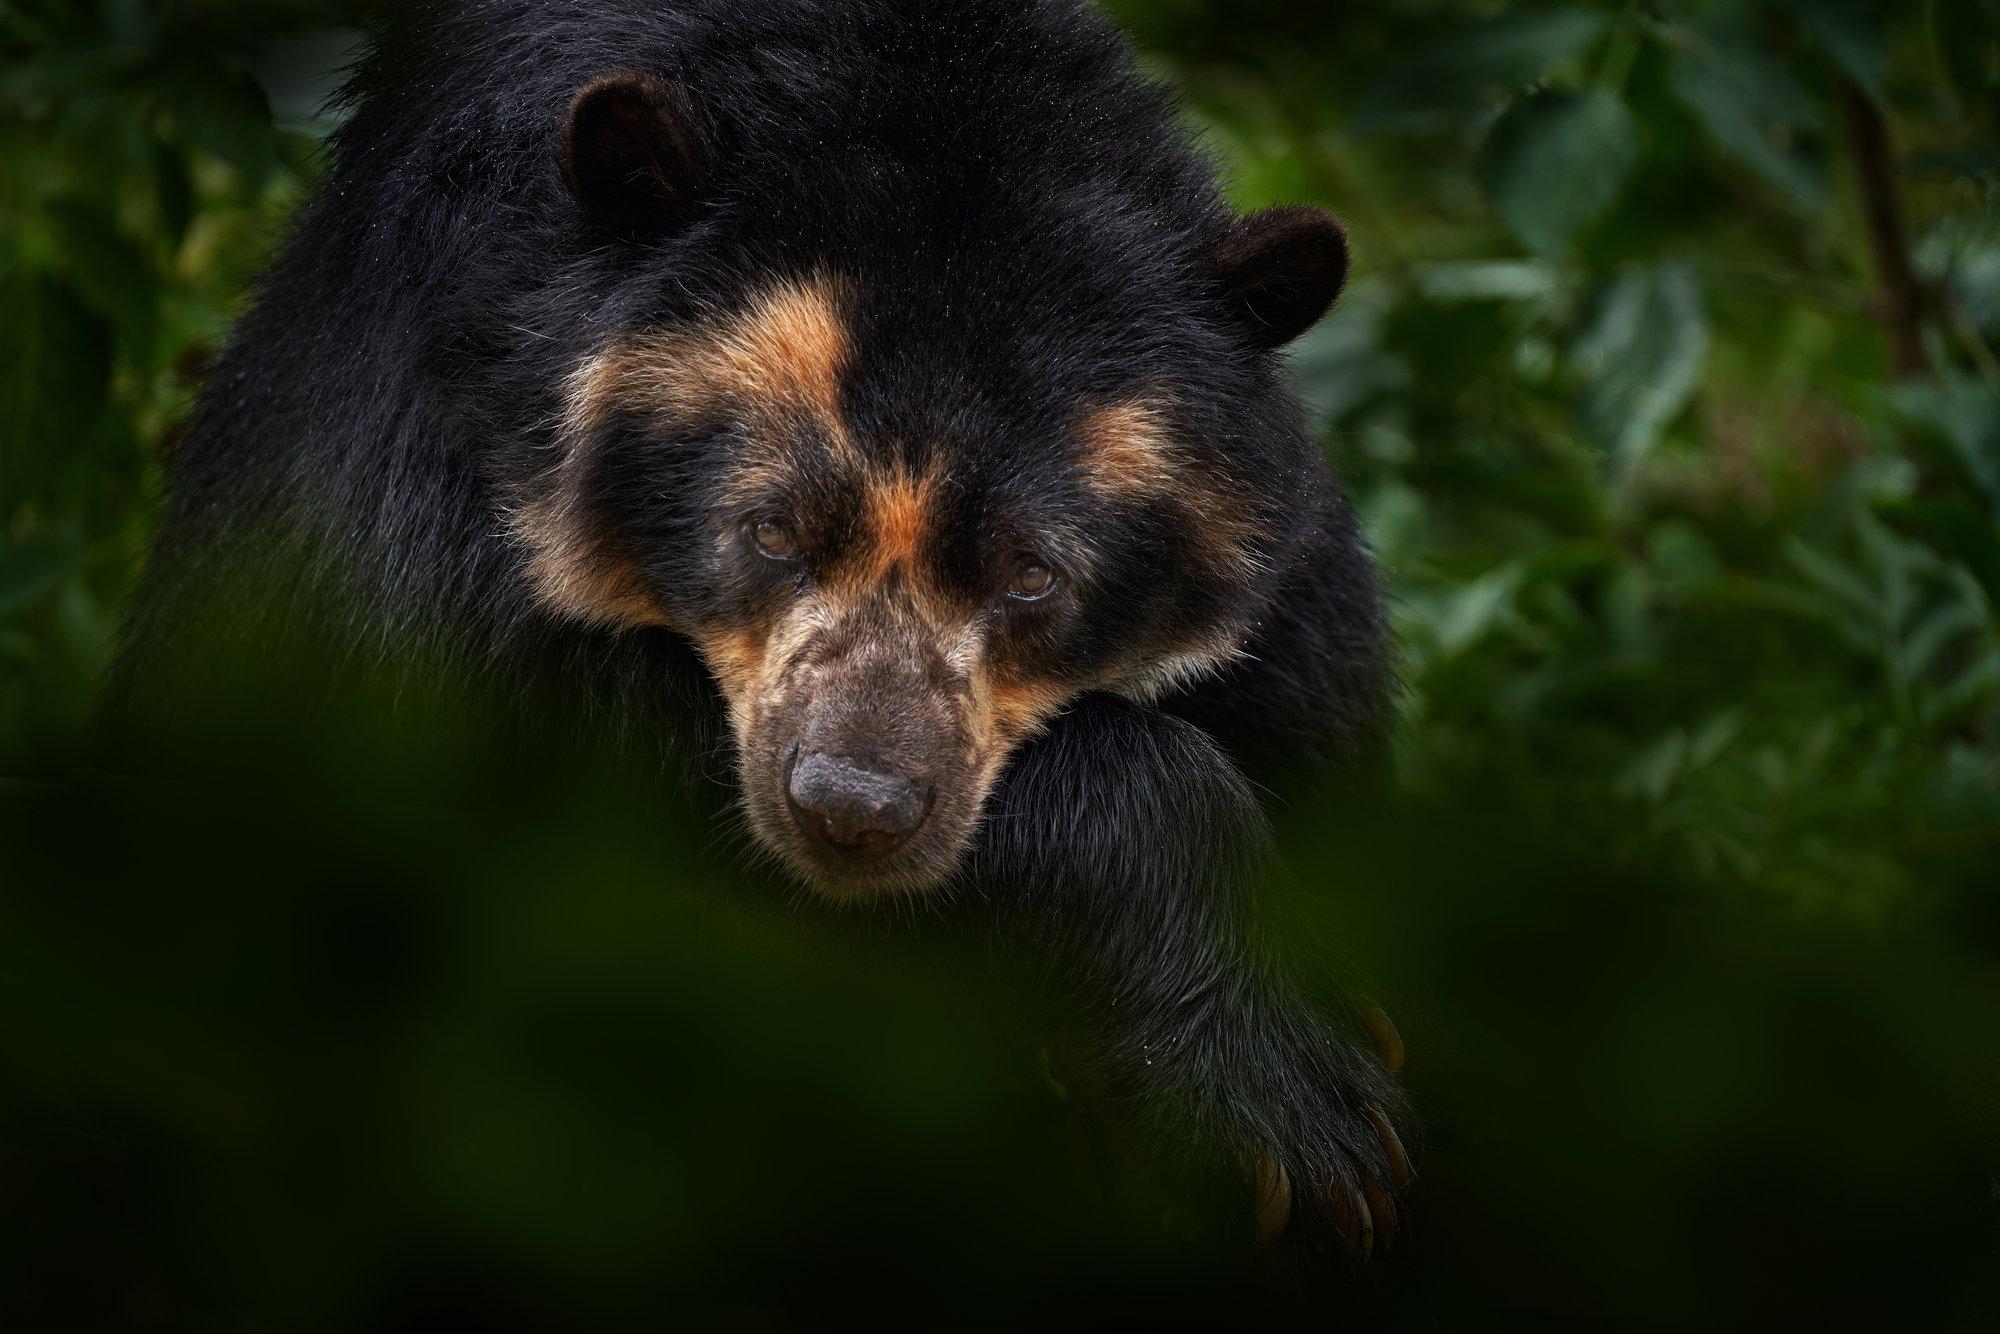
[1119,852]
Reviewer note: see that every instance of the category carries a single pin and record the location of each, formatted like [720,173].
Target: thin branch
[1970,337]
[1900,294]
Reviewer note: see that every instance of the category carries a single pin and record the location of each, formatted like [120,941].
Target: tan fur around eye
[787,351]
[1127,450]
[785,354]
[1128,453]
[581,577]
[899,519]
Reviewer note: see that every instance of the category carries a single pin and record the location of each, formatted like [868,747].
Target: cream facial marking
[1127,450]
[1128,453]
[784,355]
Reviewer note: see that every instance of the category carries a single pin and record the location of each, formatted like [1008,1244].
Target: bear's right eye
[774,539]
[1031,579]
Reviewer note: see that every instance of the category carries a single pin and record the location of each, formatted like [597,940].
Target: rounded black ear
[635,161]
[1282,268]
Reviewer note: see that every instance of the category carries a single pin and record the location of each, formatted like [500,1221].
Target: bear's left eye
[1032,579]
[774,538]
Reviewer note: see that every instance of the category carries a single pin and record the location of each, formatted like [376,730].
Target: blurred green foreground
[1667,384]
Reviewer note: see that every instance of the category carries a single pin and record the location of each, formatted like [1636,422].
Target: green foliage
[1686,896]
[141,183]
[1556,161]
[1609,384]
[1672,553]
[1638,359]
[1754,110]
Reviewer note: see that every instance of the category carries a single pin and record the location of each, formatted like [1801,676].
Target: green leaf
[1852,33]
[1967,33]
[1939,630]
[55,367]
[1855,594]
[1967,691]
[1468,614]
[1497,54]
[108,271]
[1755,112]
[1964,413]
[30,571]
[1958,527]
[1640,358]
[1453,281]
[224,112]
[1556,162]
[1650,774]
[1341,362]
[173,193]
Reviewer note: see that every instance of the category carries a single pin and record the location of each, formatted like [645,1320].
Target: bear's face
[906,523]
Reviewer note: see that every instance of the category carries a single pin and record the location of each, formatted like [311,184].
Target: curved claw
[1388,1042]
[1352,1220]
[1273,1192]
[1392,1147]
[1387,1225]
[1361,1217]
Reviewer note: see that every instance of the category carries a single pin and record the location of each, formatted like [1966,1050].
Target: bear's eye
[774,538]
[1031,580]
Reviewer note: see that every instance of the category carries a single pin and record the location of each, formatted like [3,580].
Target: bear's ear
[635,161]
[1281,269]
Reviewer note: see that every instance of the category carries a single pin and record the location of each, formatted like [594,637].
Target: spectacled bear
[879,390]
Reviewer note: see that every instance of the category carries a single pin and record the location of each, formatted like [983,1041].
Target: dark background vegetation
[1667,385]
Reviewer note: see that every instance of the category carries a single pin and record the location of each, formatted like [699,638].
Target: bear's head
[919,426]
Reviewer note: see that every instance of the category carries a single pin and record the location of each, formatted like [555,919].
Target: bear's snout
[861,770]
[852,808]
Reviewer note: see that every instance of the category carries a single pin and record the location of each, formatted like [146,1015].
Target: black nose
[855,809]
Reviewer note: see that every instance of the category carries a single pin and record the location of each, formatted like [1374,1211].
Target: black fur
[1028,230]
